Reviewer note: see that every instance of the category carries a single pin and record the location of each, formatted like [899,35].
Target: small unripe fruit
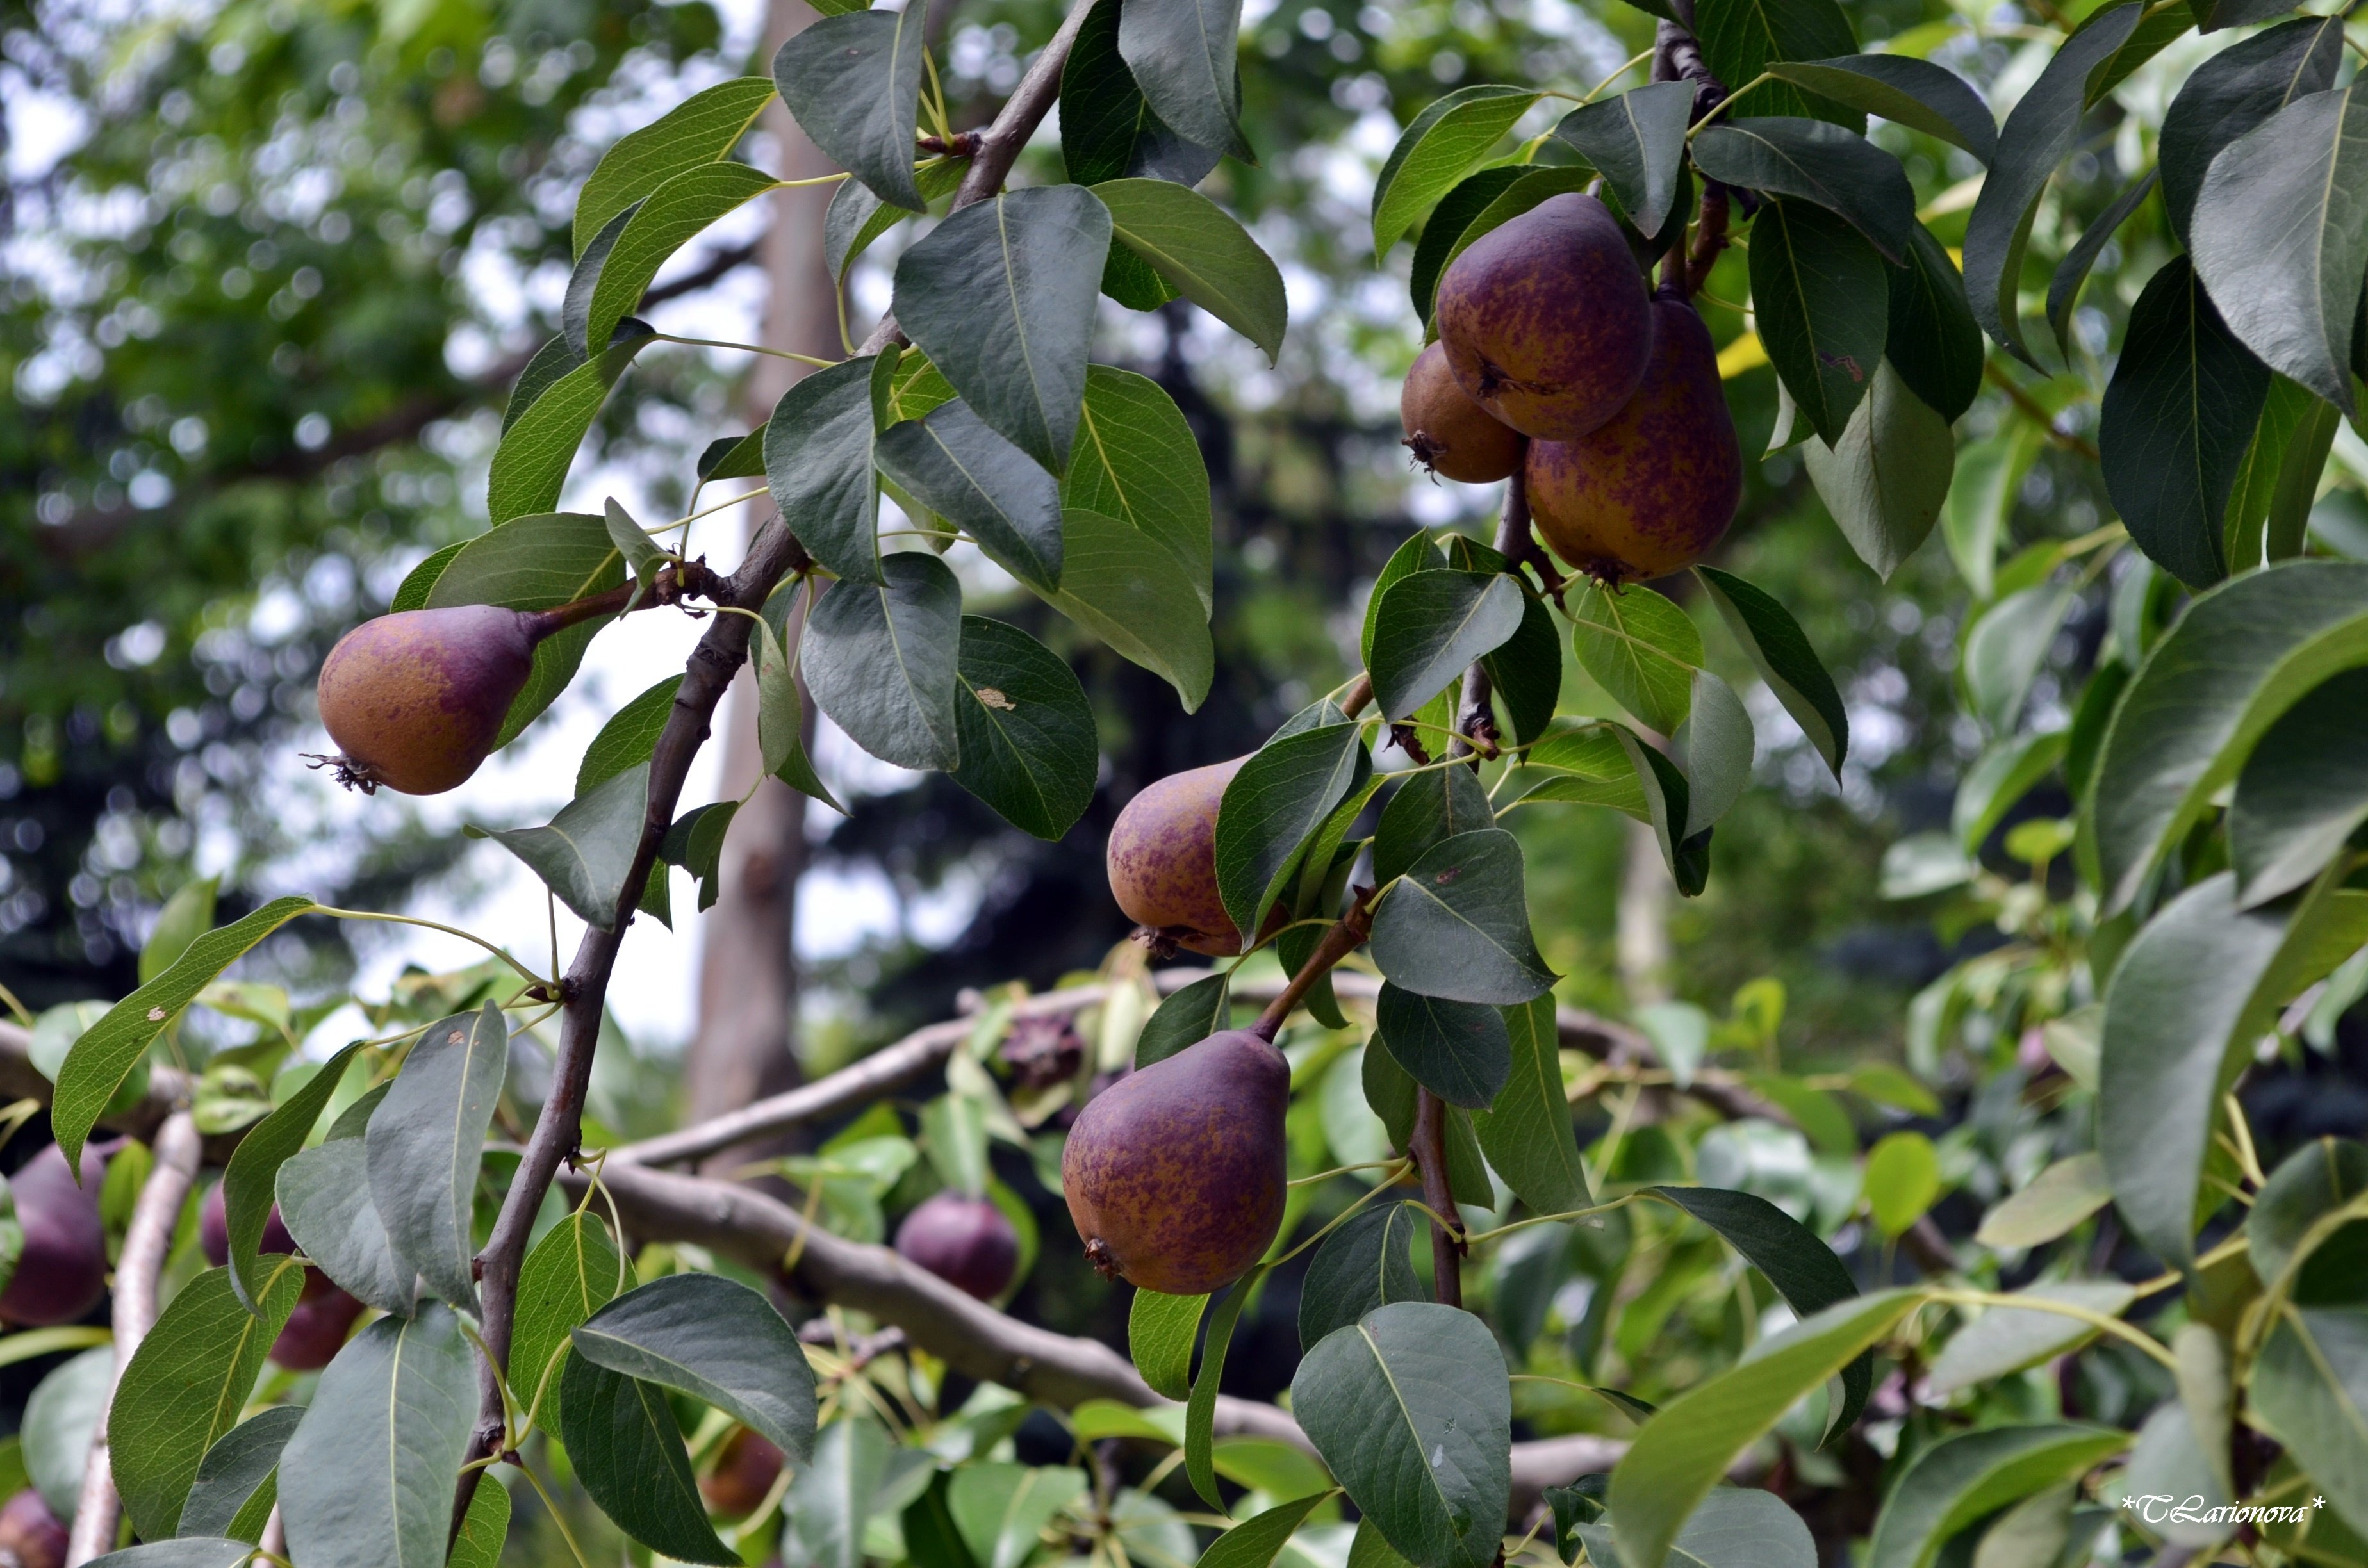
[1174,1175]
[1546,319]
[1448,433]
[1650,492]
[745,1468]
[62,1271]
[1163,859]
[964,1240]
[213,1228]
[30,1535]
[316,1330]
[416,698]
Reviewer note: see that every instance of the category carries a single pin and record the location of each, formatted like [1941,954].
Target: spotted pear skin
[416,698]
[1448,433]
[1652,491]
[1174,1175]
[1547,321]
[1163,859]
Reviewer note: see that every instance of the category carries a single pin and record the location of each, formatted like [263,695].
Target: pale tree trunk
[1642,937]
[745,1047]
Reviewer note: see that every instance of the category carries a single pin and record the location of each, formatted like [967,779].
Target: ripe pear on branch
[1451,434]
[1162,858]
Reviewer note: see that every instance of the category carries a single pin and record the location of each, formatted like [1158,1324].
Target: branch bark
[146,1242]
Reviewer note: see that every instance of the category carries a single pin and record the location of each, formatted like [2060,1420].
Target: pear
[746,1467]
[1546,319]
[416,698]
[30,1535]
[1448,433]
[316,1330]
[964,1240]
[1163,859]
[1651,492]
[62,1273]
[1174,1175]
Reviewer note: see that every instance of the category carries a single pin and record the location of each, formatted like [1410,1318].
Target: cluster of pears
[1174,1175]
[1555,359]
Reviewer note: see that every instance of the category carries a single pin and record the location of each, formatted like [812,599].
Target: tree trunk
[1642,937]
[745,1044]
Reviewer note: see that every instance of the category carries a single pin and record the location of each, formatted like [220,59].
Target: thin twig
[1346,934]
[2032,409]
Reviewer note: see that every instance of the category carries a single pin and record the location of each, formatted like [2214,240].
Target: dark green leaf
[1159,1334]
[425,1141]
[2007,648]
[1428,807]
[576,305]
[368,1478]
[1256,1542]
[853,83]
[538,446]
[2234,91]
[1365,1263]
[669,218]
[1887,478]
[1822,296]
[1527,1133]
[1278,799]
[1525,672]
[716,1340]
[1431,625]
[1640,647]
[1900,87]
[1714,747]
[832,1499]
[237,1481]
[1442,233]
[2158,29]
[1410,1408]
[572,1273]
[586,852]
[1638,139]
[1998,780]
[247,1182]
[1123,585]
[702,128]
[629,736]
[1137,461]
[1457,924]
[1781,652]
[1817,162]
[2038,136]
[818,450]
[1459,1050]
[325,1201]
[193,1552]
[1200,1408]
[882,662]
[931,1538]
[628,1452]
[2305,790]
[2064,289]
[1743,38]
[1183,54]
[1438,148]
[857,217]
[951,463]
[1415,553]
[1108,132]
[2310,1389]
[1026,731]
[780,740]
[1961,1478]
[1185,1017]
[1203,252]
[1933,343]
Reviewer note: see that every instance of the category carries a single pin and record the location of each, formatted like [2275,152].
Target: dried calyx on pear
[1448,433]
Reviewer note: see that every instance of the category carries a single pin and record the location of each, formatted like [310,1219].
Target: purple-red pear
[1448,433]
[62,1273]
[416,698]
[964,1240]
[1163,859]
[30,1535]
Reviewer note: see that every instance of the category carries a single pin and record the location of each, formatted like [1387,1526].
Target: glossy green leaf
[1367,1263]
[1437,150]
[1426,808]
[1887,478]
[857,217]
[1459,1050]
[425,1141]
[1108,130]
[187,915]
[1527,1132]
[628,736]
[325,1201]
[484,1529]
[882,662]
[1025,729]
[2301,796]
[1782,652]
[1431,625]
[572,1272]
[1817,162]
[702,128]
[1638,141]
[1185,1017]
[1271,808]
[1988,478]
[628,1452]
[670,217]
[238,1479]
[2007,649]
[107,1052]
[538,446]
[780,747]
[1122,585]
[1457,924]
[584,853]
[1159,1334]
[2236,90]
[1914,93]
[2072,272]
[2057,1199]
[818,453]
[1933,342]
[247,1182]
[2005,1340]
[1200,1406]
[1743,38]
[853,83]
[1639,647]
[366,1480]
[1138,461]
[1184,57]
[1821,295]
[538,561]
[1714,747]
[2038,136]
[1001,296]
[1203,252]
[716,1340]
[1960,1479]
[1410,1408]
[951,463]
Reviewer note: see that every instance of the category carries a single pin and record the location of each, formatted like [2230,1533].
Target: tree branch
[1428,1147]
[145,1244]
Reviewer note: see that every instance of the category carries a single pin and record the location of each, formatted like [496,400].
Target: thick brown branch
[149,1238]
[1430,1152]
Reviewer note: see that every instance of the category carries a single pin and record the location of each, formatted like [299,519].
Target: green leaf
[1185,1017]
[1902,1178]
[857,217]
[1441,146]
[1025,728]
[2004,1340]
[1715,745]
[1640,647]
[368,1478]
[1001,1509]
[538,446]
[642,552]
[881,661]
[1201,1406]
[702,128]
[1933,343]
[1681,1452]
[192,1552]
[819,452]
[1443,232]
[2237,660]
[425,1141]
[628,736]
[2281,237]
[59,1418]
[1426,809]
[1431,625]
[572,1273]
[184,1387]
[669,218]
[951,463]
[2302,794]
[1457,924]
[832,1499]
[325,1201]
[484,1529]
[2314,1181]
[1525,672]
[2236,90]
[1159,1334]
[1459,1050]
[1781,650]
[1184,55]
[1278,800]
[187,915]
[537,562]
[716,1340]
[2057,1199]
[1001,296]
[1638,141]
[1887,478]
[412,593]
[1137,461]
[584,853]
[1415,553]
[1367,1263]
[781,744]
[1743,38]
[254,1168]
[1914,93]
[1203,252]
[2039,135]
[109,1048]
[1960,1479]
[627,1450]
[2177,417]
[1122,585]
[1989,475]
[238,1479]
[1818,162]
[1108,130]
[2310,1389]
[1256,1542]
[2007,648]
[1527,1132]
[2064,288]
[1821,294]
[1410,1408]
[853,83]
[2002,777]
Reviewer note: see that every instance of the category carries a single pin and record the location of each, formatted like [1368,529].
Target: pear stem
[1430,1152]
[1346,934]
[667,585]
